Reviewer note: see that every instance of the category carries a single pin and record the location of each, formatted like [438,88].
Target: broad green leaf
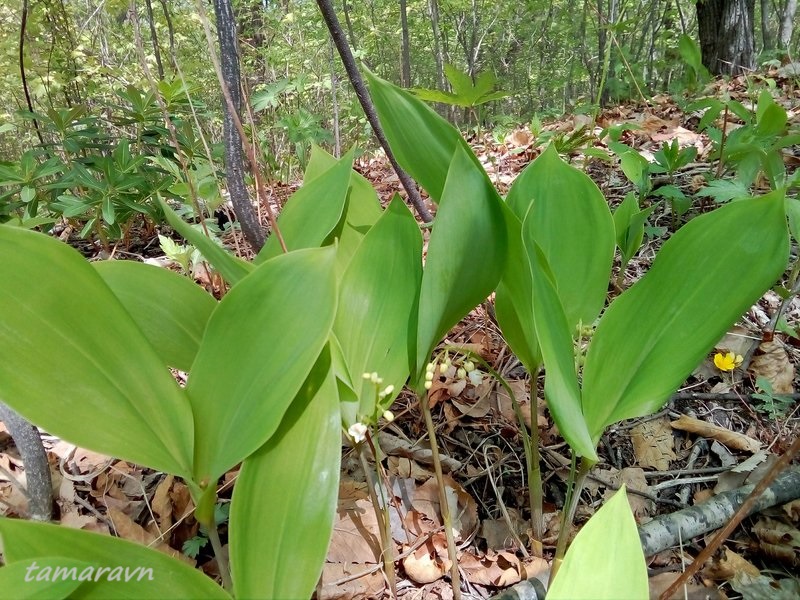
[636,168]
[705,276]
[74,362]
[149,573]
[792,206]
[512,300]
[286,495]
[555,338]
[232,268]
[574,227]
[456,277]
[259,346]
[629,225]
[312,212]
[362,210]
[46,578]
[378,305]
[595,568]
[723,190]
[772,121]
[422,141]
[171,310]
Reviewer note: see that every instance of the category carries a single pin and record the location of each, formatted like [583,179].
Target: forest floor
[736,430]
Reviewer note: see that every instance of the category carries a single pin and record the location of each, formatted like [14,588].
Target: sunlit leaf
[594,568]
[456,277]
[74,362]
[312,212]
[171,310]
[379,290]
[259,346]
[703,279]
[285,497]
[149,574]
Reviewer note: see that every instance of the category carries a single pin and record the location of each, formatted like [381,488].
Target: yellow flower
[727,362]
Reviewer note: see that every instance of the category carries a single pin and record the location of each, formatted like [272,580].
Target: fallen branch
[39,489]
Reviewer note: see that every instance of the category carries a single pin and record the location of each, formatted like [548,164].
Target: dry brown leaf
[162,503]
[634,479]
[691,591]
[773,363]
[721,434]
[653,444]
[729,564]
[350,581]
[502,534]
[429,562]
[129,530]
[463,509]
[356,535]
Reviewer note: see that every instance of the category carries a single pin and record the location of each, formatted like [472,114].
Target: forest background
[552,57]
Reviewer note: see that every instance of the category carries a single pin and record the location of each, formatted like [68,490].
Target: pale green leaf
[378,304]
[171,310]
[286,495]
[597,567]
[456,276]
[422,141]
[555,338]
[150,574]
[703,279]
[573,225]
[512,300]
[46,578]
[312,212]
[259,346]
[74,362]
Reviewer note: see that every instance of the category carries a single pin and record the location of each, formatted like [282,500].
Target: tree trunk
[726,34]
[766,38]
[405,56]
[234,154]
[438,54]
[787,24]
[154,38]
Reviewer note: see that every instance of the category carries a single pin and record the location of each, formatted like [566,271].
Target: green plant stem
[574,490]
[444,507]
[381,506]
[530,444]
[535,470]
[222,560]
[721,161]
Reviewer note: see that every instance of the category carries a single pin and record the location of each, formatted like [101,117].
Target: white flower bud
[469,366]
[428,385]
[475,377]
[429,376]
[357,431]
[388,416]
[461,373]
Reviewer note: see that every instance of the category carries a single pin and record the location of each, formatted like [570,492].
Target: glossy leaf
[259,346]
[286,495]
[422,141]
[597,567]
[75,363]
[151,574]
[703,279]
[55,579]
[378,304]
[232,268]
[171,310]
[312,212]
[555,337]
[466,253]
[573,225]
